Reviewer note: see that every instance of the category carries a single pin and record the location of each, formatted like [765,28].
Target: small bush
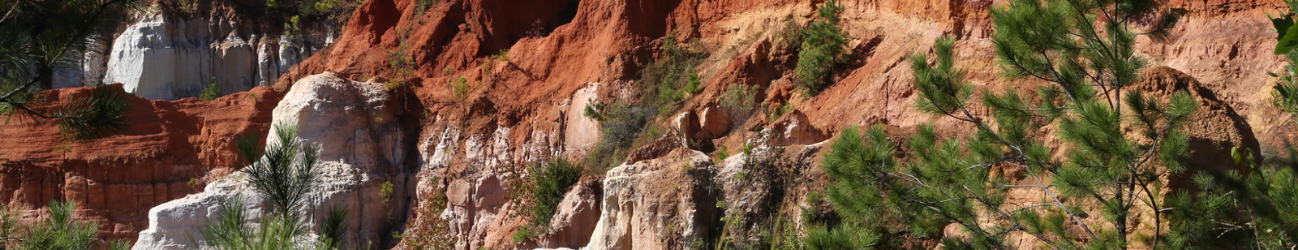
[58,231]
[668,76]
[822,45]
[549,182]
[620,126]
[427,230]
[403,64]
[385,192]
[790,36]
[541,191]
[695,84]
[739,101]
[460,90]
[423,5]
[211,92]
[663,84]
[502,56]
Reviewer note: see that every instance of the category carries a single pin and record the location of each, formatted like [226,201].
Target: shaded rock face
[353,125]
[571,225]
[662,203]
[1213,130]
[169,56]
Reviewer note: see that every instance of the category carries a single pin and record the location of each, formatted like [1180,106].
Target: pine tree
[38,37]
[823,45]
[1098,195]
[283,174]
[59,231]
[1252,210]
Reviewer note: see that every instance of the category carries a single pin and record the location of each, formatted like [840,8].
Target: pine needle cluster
[823,45]
[283,174]
[33,46]
[1117,145]
[59,231]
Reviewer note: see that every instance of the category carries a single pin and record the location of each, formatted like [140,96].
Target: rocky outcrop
[1214,129]
[354,126]
[167,56]
[663,203]
[172,149]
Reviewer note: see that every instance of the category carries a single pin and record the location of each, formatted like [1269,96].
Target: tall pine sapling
[1105,172]
[823,44]
[283,175]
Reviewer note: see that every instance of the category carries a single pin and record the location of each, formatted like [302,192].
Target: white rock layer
[659,203]
[358,138]
[170,58]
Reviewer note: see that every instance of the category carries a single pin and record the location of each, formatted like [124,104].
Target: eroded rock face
[166,57]
[359,141]
[172,149]
[1213,130]
[662,203]
[571,226]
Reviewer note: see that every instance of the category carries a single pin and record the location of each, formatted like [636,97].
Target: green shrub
[211,92]
[822,45]
[667,76]
[789,36]
[663,84]
[283,175]
[460,90]
[695,84]
[427,230]
[622,125]
[58,231]
[541,190]
[549,183]
[285,172]
[502,56]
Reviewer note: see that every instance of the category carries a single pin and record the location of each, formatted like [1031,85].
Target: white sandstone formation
[662,203]
[354,127]
[170,58]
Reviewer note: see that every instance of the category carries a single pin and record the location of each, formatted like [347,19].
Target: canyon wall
[564,54]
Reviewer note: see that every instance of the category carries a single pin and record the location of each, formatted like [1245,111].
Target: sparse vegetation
[823,43]
[211,92]
[296,12]
[779,111]
[427,229]
[621,124]
[671,74]
[59,231]
[423,5]
[789,37]
[663,84]
[502,56]
[740,102]
[283,175]
[460,90]
[385,192]
[402,64]
[540,192]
